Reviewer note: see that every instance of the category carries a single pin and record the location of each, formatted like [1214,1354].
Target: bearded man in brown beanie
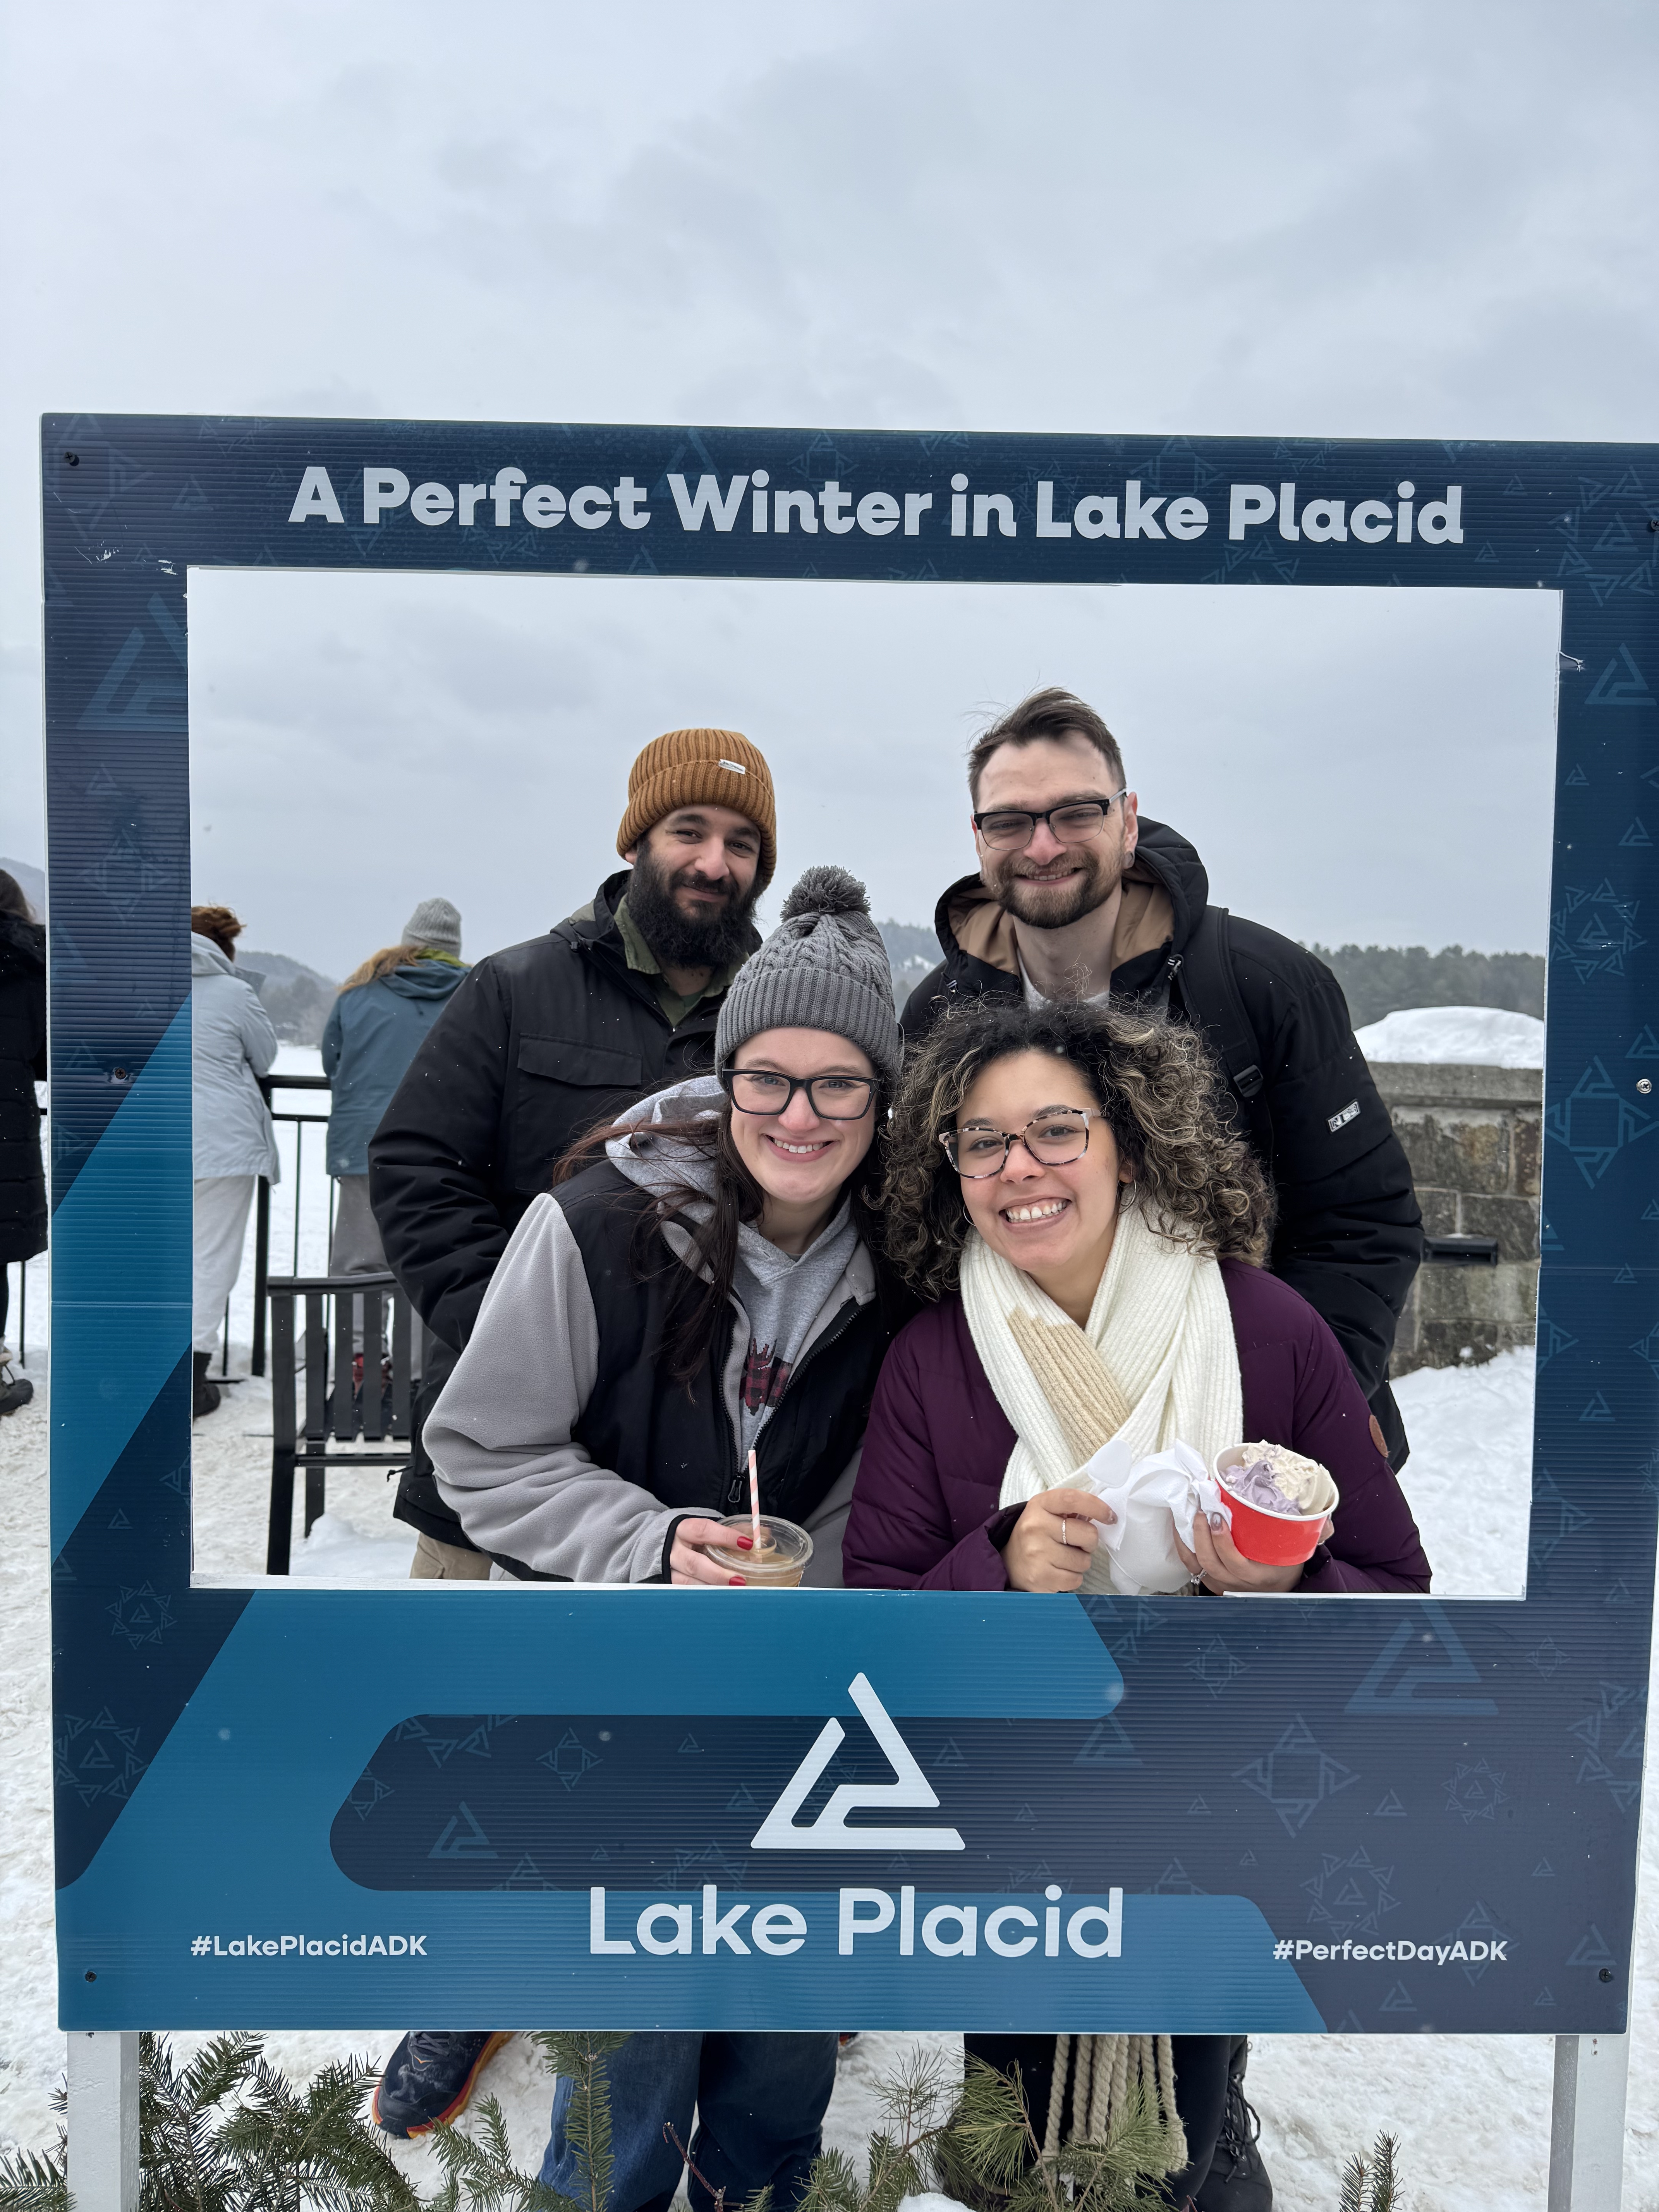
[539,1044]
[549,1039]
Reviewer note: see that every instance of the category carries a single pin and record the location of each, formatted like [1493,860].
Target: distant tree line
[1376,979]
[1380,978]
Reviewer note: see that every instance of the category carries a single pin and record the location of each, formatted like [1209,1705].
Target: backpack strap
[1203,973]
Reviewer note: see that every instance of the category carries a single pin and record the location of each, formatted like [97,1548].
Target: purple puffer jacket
[925,1512]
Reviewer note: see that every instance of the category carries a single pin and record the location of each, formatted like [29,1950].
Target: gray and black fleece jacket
[569,1453]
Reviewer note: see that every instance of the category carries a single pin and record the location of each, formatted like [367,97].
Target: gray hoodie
[499,1436]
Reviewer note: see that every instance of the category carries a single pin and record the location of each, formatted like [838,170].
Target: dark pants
[1201,2072]
[760,2102]
[419,1506]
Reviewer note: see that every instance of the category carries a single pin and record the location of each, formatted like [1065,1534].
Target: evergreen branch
[1382,2174]
[218,2069]
[1353,2198]
[35,2181]
[832,2185]
[990,2138]
[580,2059]
[481,2167]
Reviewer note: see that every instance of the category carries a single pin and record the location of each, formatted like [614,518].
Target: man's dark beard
[716,940]
[1103,872]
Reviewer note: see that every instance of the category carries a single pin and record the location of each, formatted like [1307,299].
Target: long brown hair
[699,1295]
[1159,1093]
[386,961]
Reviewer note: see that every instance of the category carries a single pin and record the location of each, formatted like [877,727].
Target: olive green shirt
[643,961]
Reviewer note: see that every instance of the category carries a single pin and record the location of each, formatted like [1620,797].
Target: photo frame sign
[282,1806]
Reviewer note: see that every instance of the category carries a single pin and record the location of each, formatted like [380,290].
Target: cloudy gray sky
[1396,219]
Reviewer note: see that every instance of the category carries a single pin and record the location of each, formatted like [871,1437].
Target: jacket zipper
[737,1490]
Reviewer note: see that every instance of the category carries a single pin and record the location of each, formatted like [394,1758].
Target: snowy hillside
[1465,1036]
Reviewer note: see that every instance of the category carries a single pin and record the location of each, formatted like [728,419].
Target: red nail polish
[745,1543]
[739,1580]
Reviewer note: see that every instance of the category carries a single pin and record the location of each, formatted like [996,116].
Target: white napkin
[1153,1499]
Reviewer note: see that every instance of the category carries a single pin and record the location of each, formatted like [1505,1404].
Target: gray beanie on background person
[436,923]
[824,967]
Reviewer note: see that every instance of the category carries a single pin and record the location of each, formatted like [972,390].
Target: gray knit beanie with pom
[824,967]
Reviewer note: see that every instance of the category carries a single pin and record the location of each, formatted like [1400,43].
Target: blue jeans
[760,2102]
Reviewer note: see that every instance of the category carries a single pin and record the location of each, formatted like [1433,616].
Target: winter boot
[1237,2180]
[15,1390]
[430,2078]
[205,1398]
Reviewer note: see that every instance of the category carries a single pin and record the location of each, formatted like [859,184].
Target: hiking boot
[430,2078]
[15,1390]
[204,1396]
[1237,2180]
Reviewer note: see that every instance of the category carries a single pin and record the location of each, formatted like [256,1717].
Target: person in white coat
[233,1043]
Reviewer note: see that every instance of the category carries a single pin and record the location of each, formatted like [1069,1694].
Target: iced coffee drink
[777,1562]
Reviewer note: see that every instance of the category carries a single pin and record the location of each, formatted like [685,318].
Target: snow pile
[1455,1036]
[1469,1475]
[366,1557]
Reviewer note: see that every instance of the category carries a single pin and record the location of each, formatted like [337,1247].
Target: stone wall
[1474,1137]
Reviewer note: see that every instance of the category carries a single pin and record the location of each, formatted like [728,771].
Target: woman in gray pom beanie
[700,1286]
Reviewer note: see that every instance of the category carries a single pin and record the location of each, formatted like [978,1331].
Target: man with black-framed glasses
[1076,896]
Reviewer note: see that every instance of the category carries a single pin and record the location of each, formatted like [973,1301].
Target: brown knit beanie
[706,767]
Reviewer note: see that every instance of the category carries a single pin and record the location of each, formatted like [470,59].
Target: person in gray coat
[233,1043]
[375,1027]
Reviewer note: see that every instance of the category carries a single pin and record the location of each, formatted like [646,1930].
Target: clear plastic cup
[777,1563]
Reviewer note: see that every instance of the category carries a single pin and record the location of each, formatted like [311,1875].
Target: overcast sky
[1399,219]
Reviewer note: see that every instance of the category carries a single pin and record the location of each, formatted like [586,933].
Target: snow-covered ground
[1473,2112]
[1463,1037]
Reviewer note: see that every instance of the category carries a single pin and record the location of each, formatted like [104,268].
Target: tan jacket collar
[985,931]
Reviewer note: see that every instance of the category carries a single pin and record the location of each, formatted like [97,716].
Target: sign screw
[74,460]
[1607,1974]
[1644,1084]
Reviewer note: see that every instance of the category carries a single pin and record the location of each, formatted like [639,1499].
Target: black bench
[326,1432]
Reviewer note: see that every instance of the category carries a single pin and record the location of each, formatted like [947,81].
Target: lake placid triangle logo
[829,1832]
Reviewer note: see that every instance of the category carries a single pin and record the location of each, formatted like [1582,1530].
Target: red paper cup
[1270,1539]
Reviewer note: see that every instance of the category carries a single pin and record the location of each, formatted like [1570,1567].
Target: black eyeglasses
[831,1097]
[1052,1139]
[1010,829]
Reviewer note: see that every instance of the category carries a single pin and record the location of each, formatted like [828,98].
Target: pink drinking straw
[754,1499]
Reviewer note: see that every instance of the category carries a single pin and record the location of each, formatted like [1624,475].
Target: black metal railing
[262,1206]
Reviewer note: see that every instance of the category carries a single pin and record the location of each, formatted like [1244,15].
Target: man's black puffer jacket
[539,1044]
[1348,1235]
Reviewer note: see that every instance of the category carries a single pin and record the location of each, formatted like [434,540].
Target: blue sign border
[1369,1815]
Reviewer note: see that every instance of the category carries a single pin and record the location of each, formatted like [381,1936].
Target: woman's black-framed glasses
[1051,1138]
[1010,829]
[831,1097]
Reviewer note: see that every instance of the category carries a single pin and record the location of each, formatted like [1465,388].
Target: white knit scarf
[1157,1363]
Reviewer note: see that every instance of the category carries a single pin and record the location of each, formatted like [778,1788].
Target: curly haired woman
[1063,1183]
